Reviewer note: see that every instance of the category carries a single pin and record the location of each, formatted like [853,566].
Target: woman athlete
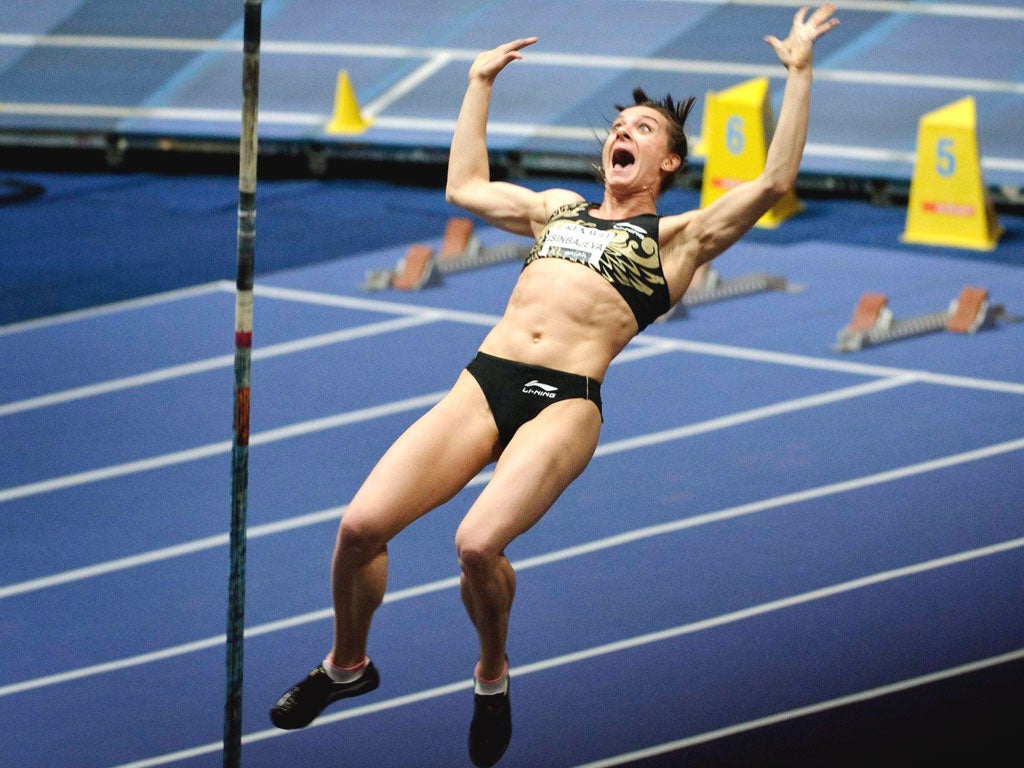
[530,401]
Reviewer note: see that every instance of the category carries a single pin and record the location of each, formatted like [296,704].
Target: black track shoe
[301,703]
[491,728]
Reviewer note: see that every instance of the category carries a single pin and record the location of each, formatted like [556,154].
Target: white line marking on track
[422,73]
[425,314]
[214,363]
[112,308]
[567,553]
[754,414]
[372,305]
[421,315]
[822,706]
[222,447]
[314,518]
[167,553]
[827,364]
[657,637]
[665,342]
[429,314]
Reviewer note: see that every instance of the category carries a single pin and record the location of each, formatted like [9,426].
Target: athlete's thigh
[545,456]
[431,461]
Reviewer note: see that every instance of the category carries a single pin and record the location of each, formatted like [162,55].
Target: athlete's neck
[625,205]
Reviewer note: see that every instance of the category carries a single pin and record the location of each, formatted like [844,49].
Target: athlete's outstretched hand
[488,64]
[797,50]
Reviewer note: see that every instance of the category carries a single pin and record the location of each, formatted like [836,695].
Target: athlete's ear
[671,163]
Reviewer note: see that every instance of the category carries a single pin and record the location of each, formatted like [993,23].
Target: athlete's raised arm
[710,231]
[509,206]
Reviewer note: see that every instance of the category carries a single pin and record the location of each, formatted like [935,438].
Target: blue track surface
[780,556]
[768,529]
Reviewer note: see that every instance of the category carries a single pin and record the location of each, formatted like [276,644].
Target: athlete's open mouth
[621,158]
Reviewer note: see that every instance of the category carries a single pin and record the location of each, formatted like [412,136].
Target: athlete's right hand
[488,64]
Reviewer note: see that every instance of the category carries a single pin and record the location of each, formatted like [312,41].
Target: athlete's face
[636,152]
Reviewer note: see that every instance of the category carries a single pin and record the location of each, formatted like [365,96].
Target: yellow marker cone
[949,204]
[347,117]
[739,124]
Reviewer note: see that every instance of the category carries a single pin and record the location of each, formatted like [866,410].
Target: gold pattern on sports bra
[627,260]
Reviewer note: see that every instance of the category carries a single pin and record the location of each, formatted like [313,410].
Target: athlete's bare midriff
[564,316]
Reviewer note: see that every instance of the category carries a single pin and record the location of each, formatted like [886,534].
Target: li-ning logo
[536,388]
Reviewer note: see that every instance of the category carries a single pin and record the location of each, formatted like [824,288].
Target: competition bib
[572,241]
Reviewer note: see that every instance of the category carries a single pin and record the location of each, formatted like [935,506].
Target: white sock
[345,674]
[491,687]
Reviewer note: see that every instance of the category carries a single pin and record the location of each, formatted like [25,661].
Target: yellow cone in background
[347,117]
[949,204]
[739,124]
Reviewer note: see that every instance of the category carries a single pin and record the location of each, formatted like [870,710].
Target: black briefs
[517,392]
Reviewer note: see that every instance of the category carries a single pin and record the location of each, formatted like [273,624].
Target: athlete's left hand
[797,51]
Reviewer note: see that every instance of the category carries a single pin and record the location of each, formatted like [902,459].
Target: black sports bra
[623,251]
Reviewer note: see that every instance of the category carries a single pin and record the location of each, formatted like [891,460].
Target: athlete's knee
[475,552]
[359,536]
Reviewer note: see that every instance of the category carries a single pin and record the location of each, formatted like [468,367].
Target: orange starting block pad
[873,322]
[460,251]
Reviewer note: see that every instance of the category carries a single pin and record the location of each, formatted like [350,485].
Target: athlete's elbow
[458,192]
[776,185]
[785,180]
[451,192]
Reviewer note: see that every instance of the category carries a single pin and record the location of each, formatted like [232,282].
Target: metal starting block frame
[716,288]
[873,322]
[461,251]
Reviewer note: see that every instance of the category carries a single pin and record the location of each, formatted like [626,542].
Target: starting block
[873,322]
[716,288]
[460,251]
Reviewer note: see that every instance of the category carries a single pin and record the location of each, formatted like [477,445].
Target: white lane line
[421,314]
[411,81]
[113,308]
[665,342]
[661,343]
[214,363]
[651,638]
[754,414]
[219,448]
[822,706]
[373,305]
[840,366]
[315,518]
[167,553]
[567,553]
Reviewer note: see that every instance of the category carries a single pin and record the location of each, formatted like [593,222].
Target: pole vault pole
[243,355]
